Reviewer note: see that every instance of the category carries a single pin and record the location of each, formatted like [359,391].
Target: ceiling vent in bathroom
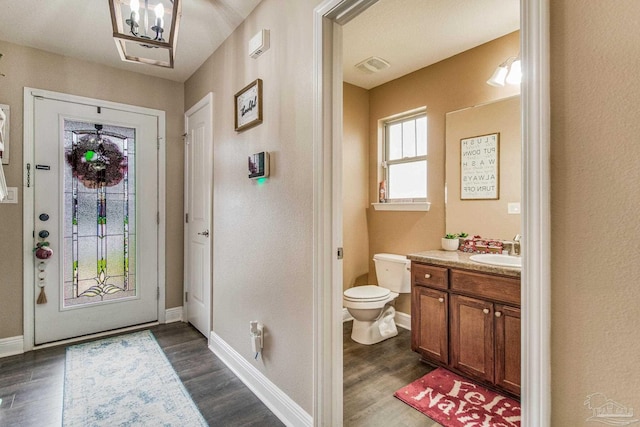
[372,65]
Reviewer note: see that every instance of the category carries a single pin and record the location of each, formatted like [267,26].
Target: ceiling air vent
[372,65]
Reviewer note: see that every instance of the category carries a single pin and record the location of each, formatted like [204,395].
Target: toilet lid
[366,293]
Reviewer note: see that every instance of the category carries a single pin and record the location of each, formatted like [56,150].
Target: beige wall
[594,206]
[488,218]
[263,243]
[26,67]
[449,85]
[263,234]
[355,181]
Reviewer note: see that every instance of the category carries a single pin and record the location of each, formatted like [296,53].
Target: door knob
[205,233]
[43,234]
[498,314]
[485,311]
[441,299]
[427,276]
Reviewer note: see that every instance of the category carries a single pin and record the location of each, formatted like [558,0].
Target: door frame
[30,94]
[327,144]
[207,100]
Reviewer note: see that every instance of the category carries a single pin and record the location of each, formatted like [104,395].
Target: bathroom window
[405,158]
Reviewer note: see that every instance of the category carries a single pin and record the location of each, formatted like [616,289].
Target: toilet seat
[368,293]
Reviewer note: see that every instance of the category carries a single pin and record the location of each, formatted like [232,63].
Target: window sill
[403,206]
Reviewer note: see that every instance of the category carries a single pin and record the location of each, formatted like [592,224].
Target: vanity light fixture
[142,38]
[510,72]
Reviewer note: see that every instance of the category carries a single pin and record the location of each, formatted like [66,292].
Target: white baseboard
[173,315]
[402,319]
[15,345]
[11,346]
[289,412]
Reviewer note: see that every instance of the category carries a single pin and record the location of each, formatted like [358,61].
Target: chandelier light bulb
[159,9]
[135,6]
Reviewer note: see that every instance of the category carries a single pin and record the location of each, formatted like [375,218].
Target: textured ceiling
[82,29]
[412,34]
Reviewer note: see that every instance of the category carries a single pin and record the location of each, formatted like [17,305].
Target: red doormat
[454,401]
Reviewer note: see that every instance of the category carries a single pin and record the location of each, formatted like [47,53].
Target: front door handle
[205,233]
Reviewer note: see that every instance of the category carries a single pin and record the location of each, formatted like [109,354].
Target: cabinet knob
[441,299]
[427,276]
[498,314]
[485,310]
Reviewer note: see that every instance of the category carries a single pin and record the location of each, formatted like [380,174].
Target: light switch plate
[12,196]
[513,208]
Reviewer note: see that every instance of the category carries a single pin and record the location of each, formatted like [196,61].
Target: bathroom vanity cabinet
[467,319]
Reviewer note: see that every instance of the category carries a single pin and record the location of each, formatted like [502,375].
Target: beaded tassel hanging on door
[43,252]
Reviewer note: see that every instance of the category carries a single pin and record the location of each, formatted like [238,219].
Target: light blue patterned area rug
[125,381]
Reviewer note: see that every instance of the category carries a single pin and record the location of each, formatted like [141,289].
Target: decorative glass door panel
[95,181]
[99,215]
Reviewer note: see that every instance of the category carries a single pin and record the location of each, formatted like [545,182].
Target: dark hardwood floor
[32,384]
[372,373]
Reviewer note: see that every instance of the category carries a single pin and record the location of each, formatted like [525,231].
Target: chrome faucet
[516,245]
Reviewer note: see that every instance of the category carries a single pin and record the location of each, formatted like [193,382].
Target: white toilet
[372,306]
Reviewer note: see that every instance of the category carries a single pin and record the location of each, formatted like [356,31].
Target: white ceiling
[412,34]
[82,29]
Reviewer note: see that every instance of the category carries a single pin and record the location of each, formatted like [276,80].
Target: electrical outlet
[256,333]
[513,208]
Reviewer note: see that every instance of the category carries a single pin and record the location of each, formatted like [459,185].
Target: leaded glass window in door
[99,213]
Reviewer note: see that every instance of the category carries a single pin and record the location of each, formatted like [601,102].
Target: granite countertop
[457,259]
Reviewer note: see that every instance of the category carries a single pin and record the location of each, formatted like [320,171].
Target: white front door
[198,232]
[95,183]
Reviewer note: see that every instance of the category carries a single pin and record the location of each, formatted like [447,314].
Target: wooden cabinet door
[472,337]
[429,332]
[507,373]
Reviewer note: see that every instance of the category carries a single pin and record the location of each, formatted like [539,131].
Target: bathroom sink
[495,259]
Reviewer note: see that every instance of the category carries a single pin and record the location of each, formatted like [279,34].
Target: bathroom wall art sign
[479,167]
[248,106]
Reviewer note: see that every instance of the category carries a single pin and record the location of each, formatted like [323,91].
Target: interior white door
[199,184]
[95,187]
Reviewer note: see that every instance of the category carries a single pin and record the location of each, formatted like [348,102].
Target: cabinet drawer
[428,275]
[495,288]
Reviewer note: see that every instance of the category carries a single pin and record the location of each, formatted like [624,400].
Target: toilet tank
[393,272]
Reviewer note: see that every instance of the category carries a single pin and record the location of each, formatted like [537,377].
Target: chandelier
[146,33]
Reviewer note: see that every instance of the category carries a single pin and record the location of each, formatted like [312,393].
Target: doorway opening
[329,17]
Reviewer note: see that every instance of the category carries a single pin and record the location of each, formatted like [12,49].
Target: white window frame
[386,125]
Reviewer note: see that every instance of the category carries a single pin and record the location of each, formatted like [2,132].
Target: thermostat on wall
[259,165]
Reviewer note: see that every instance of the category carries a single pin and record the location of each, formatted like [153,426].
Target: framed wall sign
[5,133]
[479,167]
[248,106]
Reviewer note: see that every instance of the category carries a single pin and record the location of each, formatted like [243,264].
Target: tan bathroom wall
[488,218]
[355,179]
[449,85]
[595,294]
[27,67]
